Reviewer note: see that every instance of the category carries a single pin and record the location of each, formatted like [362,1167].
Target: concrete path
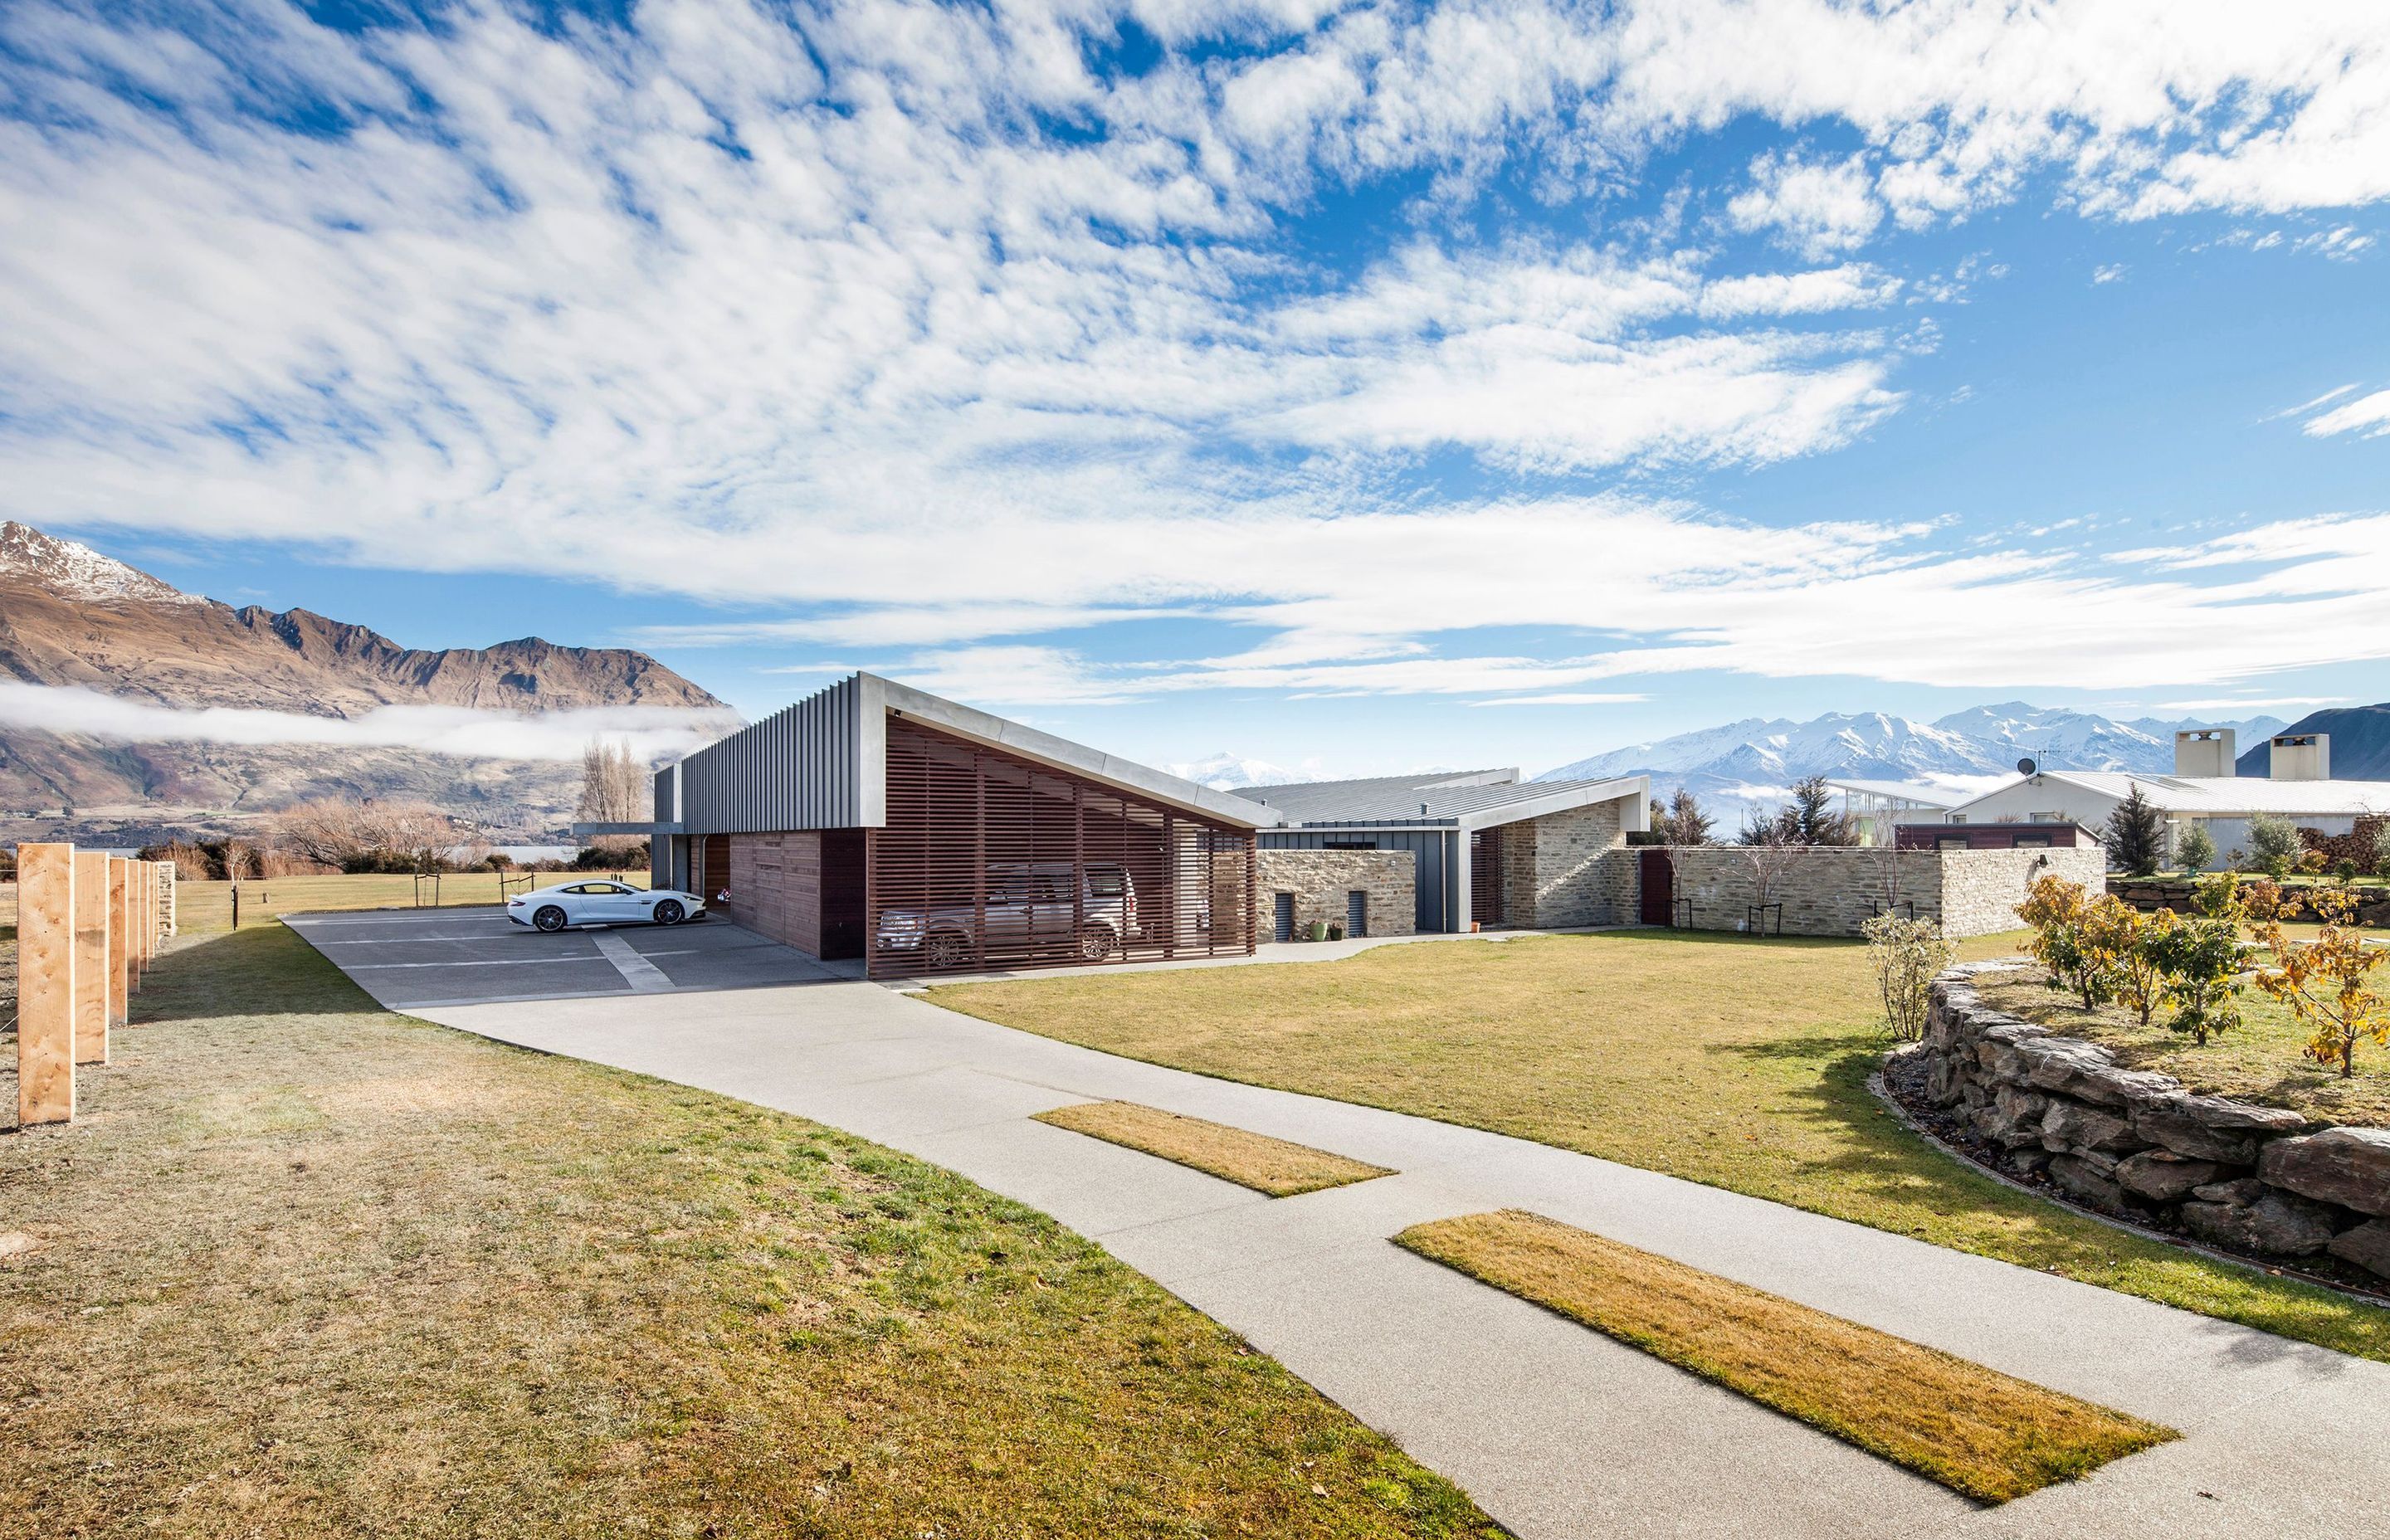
[1557,1432]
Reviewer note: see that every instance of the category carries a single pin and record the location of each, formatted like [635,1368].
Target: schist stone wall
[1831,891]
[1562,871]
[1322,879]
[2254,1179]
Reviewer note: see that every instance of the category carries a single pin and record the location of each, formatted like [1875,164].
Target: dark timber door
[1659,889]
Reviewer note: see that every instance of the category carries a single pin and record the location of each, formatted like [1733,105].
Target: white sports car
[598,901]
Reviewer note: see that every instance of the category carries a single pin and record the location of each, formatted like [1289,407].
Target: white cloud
[1564,698]
[1817,208]
[653,733]
[2367,414]
[2112,272]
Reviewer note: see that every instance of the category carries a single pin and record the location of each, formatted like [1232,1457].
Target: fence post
[45,984]
[123,923]
[91,957]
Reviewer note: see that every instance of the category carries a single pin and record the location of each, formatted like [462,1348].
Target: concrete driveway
[1556,1431]
[413,959]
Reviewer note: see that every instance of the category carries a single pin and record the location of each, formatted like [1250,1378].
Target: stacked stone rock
[2261,1179]
[2372,905]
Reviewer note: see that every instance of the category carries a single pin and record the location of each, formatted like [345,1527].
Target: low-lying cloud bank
[654,733]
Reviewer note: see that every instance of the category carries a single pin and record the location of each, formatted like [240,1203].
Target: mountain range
[74,620]
[1747,764]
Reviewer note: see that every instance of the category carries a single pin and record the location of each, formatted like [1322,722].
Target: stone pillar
[45,983]
[92,958]
[123,887]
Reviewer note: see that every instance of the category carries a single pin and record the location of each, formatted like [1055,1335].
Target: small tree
[2274,844]
[2199,960]
[1769,849]
[2137,834]
[1687,824]
[2116,939]
[2194,847]
[2326,984]
[2056,910]
[1906,955]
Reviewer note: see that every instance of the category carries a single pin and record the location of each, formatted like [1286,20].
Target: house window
[1949,841]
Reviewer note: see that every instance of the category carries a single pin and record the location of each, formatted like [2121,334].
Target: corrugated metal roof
[1416,800]
[2214,796]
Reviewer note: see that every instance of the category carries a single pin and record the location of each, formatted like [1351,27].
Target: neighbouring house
[1485,849]
[1878,808]
[2202,789]
[874,820]
[1995,837]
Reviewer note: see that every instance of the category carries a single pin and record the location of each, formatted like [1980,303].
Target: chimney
[2205,752]
[2301,757]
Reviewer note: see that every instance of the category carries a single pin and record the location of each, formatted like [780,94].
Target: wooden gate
[1659,876]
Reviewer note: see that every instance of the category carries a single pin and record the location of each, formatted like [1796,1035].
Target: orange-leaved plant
[2326,984]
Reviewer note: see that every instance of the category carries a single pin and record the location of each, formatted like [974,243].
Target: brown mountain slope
[72,617]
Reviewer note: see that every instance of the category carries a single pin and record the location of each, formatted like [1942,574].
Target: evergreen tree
[1811,818]
[2137,835]
[1687,825]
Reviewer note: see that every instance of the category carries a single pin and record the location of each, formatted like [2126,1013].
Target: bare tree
[351,836]
[1768,847]
[613,790]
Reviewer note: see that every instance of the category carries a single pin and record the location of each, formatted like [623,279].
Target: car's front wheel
[945,949]
[670,912]
[550,917]
[1096,943]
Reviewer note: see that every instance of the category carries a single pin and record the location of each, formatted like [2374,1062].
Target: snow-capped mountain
[71,570]
[1227,772]
[1748,764]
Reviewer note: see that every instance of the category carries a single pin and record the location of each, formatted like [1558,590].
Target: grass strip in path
[1275,1166]
[1982,1433]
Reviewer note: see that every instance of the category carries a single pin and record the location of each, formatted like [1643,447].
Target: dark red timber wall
[802,887]
[989,861]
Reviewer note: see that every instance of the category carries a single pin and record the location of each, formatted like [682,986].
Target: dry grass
[203,906]
[2258,1060]
[1975,1431]
[1726,1060]
[307,1268]
[1275,1166]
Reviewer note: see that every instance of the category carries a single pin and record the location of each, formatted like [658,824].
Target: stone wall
[1321,880]
[1559,871]
[2259,1179]
[2150,893]
[1832,890]
[2355,845]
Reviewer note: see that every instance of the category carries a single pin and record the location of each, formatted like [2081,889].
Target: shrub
[2261,899]
[1906,955]
[2381,851]
[2314,861]
[2327,984]
[2344,869]
[2195,848]
[2117,945]
[2274,846]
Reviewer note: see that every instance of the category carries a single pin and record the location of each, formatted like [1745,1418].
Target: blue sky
[1348,387]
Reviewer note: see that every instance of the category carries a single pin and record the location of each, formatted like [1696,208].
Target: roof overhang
[1636,819]
[883,698]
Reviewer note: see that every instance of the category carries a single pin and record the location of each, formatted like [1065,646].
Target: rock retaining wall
[2249,1178]
[2149,893]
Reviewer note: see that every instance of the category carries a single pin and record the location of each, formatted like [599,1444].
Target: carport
[419,958]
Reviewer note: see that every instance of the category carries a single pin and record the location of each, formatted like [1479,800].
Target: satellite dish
[2024,767]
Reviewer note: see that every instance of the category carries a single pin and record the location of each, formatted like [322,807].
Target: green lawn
[202,907]
[308,1268]
[1738,1063]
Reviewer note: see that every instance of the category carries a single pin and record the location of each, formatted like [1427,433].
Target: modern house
[874,820]
[1877,808]
[2202,789]
[1487,849]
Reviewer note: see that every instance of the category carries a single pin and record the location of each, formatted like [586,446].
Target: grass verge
[1732,1060]
[207,905]
[1277,1167]
[1988,1435]
[308,1268]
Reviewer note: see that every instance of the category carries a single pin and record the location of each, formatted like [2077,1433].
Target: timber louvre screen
[989,861]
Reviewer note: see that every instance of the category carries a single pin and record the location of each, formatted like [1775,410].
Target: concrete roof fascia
[1637,820]
[1030,743]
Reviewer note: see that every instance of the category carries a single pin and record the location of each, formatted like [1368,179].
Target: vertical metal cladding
[799,768]
[988,861]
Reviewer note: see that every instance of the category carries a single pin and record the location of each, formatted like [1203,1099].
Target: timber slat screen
[987,861]
[1486,876]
